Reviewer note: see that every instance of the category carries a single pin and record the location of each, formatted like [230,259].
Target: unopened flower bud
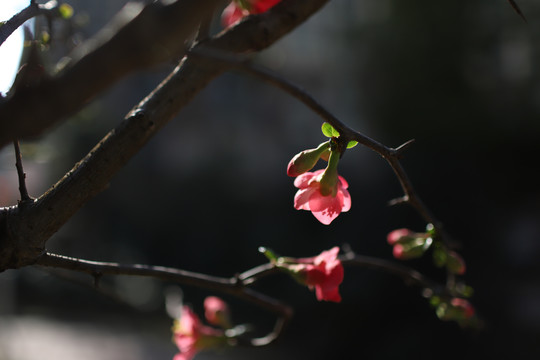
[412,248]
[306,160]
[457,309]
[217,312]
[399,235]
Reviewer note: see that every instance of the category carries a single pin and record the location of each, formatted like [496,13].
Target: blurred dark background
[461,77]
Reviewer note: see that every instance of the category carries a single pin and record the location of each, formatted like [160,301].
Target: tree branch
[142,37]
[27,230]
[237,285]
[232,286]
[20,173]
[29,12]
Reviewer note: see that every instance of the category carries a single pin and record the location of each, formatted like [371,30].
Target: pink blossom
[324,207]
[323,272]
[216,311]
[237,9]
[190,335]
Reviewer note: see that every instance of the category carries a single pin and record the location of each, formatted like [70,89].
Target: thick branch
[30,227]
[141,37]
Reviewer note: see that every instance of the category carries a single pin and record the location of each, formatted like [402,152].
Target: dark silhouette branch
[51,8]
[238,285]
[409,275]
[232,286]
[20,173]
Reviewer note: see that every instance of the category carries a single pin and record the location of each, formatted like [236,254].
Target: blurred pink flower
[324,208]
[238,9]
[190,335]
[216,311]
[323,272]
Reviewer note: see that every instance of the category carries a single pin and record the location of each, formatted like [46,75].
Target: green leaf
[351,144]
[329,131]
[66,11]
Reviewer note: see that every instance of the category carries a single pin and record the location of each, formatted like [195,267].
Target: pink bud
[410,250]
[305,160]
[398,235]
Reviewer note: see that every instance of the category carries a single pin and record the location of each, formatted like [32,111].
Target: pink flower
[324,207]
[239,9]
[190,335]
[323,272]
[216,311]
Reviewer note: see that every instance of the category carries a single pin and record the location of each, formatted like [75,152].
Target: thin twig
[244,64]
[26,14]
[236,286]
[230,286]
[409,275]
[517,9]
[20,172]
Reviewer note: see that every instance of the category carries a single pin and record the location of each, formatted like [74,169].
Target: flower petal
[325,216]
[331,294]
[302,181]
[344,184]
[327,256]
[232,14]
[261,6]
[319,202]
[301,199]
[345,199]
[324,208]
